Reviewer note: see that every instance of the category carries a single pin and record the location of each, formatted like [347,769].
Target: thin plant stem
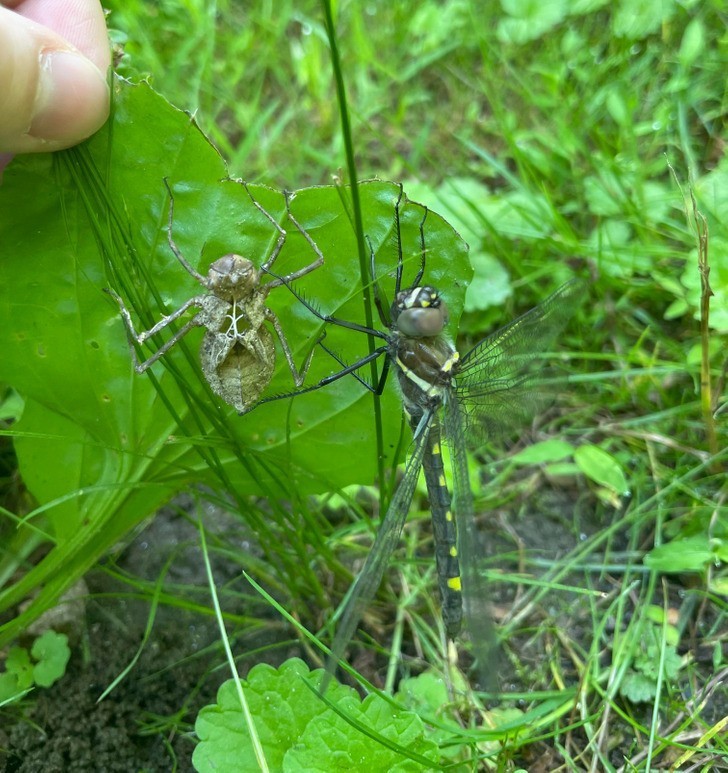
[366,280]
[249,721]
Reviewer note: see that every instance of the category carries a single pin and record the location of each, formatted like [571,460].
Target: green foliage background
[542,132]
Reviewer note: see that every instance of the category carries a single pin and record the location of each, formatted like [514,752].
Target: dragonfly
[237,355]
[491,388]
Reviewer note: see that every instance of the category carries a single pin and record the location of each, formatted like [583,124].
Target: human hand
[53,60]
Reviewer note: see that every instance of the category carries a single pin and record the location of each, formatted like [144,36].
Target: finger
[80,22]
[52,95]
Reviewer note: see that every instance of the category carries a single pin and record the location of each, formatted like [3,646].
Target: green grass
[546,138]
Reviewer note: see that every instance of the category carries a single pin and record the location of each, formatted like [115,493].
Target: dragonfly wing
[501,382]
[367,583]
[478,621]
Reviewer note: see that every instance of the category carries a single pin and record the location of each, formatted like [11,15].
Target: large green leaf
[101,447]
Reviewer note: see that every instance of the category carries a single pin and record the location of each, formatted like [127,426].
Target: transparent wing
[501,382]
[367,583]
[478,619]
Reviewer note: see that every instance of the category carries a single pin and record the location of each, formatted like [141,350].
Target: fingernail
[72,100]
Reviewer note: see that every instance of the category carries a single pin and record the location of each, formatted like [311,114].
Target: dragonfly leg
[298,376]
[326,317]
[306,269]
[334,376]
[140,338]
[172,245]
[281,233]
[423,251]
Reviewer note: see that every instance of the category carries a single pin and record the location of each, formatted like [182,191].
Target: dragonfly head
[232,277]
[419,312]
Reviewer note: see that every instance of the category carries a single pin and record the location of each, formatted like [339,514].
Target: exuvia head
[420,312]
[232,277]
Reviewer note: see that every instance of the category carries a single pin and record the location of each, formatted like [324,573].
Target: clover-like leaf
[51,651]
[9,687]
[19,664]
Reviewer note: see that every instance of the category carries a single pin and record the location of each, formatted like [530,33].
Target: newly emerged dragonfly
[237,355]
[491,388]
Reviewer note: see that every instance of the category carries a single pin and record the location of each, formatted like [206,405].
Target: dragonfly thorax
[425,370]
[419,312]
[232,277]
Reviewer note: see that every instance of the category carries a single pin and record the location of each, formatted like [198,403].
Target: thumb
[51,96]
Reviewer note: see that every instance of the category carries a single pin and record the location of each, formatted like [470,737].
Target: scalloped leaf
[297,729]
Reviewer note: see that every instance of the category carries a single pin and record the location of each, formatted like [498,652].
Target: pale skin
[54,56]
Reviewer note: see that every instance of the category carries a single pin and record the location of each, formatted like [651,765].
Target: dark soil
[145,723]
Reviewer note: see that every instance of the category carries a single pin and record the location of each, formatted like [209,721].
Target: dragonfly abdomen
[445,533]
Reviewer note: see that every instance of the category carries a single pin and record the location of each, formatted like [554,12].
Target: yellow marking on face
[453,551]
[454,584]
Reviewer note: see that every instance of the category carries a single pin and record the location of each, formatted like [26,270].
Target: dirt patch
[145,723]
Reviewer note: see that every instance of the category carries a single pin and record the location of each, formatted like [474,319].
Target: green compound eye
[423,314]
